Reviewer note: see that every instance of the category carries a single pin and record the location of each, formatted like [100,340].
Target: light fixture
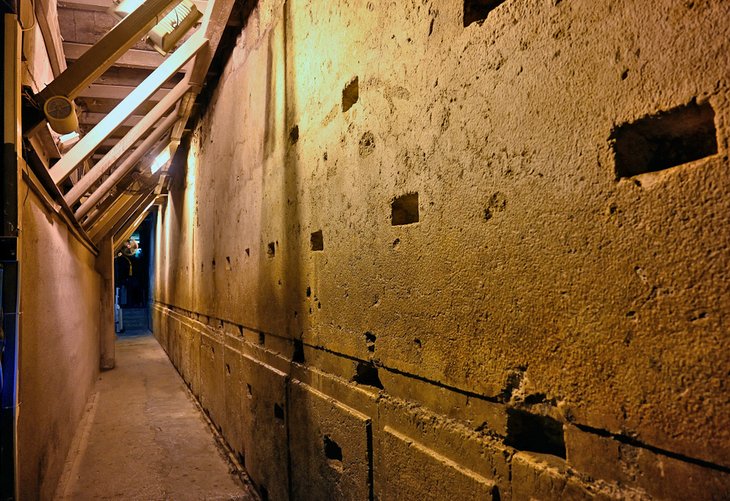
[167,33]
[66,141]
[124,8]
[162,159]
[61,114]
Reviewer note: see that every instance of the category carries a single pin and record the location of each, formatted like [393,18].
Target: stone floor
[142,437]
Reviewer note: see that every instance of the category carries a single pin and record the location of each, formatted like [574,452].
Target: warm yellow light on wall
[192,162]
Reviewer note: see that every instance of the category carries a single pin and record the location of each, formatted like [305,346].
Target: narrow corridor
[142,437]
[427,250]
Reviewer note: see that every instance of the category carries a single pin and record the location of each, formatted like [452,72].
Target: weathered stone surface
[412,468]
[212,377]
[540,476]
[658,475]
[448,441]
[234,395]
[333,445]
[538,269]
[264,420]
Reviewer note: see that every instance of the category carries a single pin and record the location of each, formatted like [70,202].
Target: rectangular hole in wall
[317,241]
[404,210]
[298,355]
[534,433]
[333,453]
[278,411]
[271,249]
[350,94]
[478,10]
[367,374]
[664,140]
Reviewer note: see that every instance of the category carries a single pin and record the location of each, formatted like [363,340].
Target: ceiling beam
[105,219]
[135,133]
[125,228]
[133,58]
[63,168]
[119,213]
[213,24]
[89,118]
[126,167]
[99,91]
[46,12]
[102,55]
[104,5]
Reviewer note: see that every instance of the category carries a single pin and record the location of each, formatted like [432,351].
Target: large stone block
[658,475]
[264,419]
[331,447]
[212,387]
[411,471]
[546,477]
[234,395]
[472,450]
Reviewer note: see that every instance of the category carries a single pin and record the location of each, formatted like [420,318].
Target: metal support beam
[103,5]
[125,228]
[46,12]
[106,51]
[134,134]
[92,118]
[91,141]
[214,22]
[105,91]
[110,226]
[126,166]
[133,58]
[110,215]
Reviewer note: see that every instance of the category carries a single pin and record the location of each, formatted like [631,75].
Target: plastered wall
[59,344]
[462,250]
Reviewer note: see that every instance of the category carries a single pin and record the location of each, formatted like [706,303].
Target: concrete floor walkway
[142,437]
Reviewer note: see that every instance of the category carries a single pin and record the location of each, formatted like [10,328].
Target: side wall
[414,259]
[59,345]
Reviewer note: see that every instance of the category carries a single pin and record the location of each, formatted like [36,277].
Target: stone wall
[461,249]
[59,344]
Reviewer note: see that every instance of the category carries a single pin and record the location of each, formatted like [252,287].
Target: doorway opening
[133,272]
